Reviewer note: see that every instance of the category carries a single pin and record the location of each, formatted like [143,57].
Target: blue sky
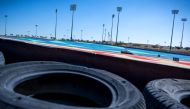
[141,20]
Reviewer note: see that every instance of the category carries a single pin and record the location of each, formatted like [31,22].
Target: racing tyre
[54,85]
[2,59]
[168,94]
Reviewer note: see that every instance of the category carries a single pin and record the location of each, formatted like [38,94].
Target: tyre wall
[139,73]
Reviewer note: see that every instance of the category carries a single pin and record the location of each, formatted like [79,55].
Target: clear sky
[140,20]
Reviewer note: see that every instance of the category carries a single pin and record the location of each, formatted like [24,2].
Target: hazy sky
[141,20]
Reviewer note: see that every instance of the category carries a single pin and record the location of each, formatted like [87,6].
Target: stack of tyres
[2,59]
[54,85]
[168,94]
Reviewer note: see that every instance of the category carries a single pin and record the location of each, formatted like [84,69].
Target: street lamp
[119,9]
[6,24]
[174,12]
[36,29]
[183,20]
[55,23]
[73,9]
[103,33]
[112,26]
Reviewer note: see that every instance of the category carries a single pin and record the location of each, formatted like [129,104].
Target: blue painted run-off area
[109,48]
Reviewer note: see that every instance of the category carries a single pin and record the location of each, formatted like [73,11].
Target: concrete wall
[139,73]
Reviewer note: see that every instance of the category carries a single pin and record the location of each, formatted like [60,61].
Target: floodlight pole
[119,9]
[28,33]
[112,26]
[183,20]
[103,33]
[128,39]
[36,29]
[73,9]
[72,26]
[174,12]
[81,34]
[6,24]
[56,24]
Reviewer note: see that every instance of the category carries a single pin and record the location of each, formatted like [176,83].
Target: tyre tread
[159,99]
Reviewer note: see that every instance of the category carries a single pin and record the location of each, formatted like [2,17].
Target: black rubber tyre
[52,85]
[29,63]
[168,94]
[2,59]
